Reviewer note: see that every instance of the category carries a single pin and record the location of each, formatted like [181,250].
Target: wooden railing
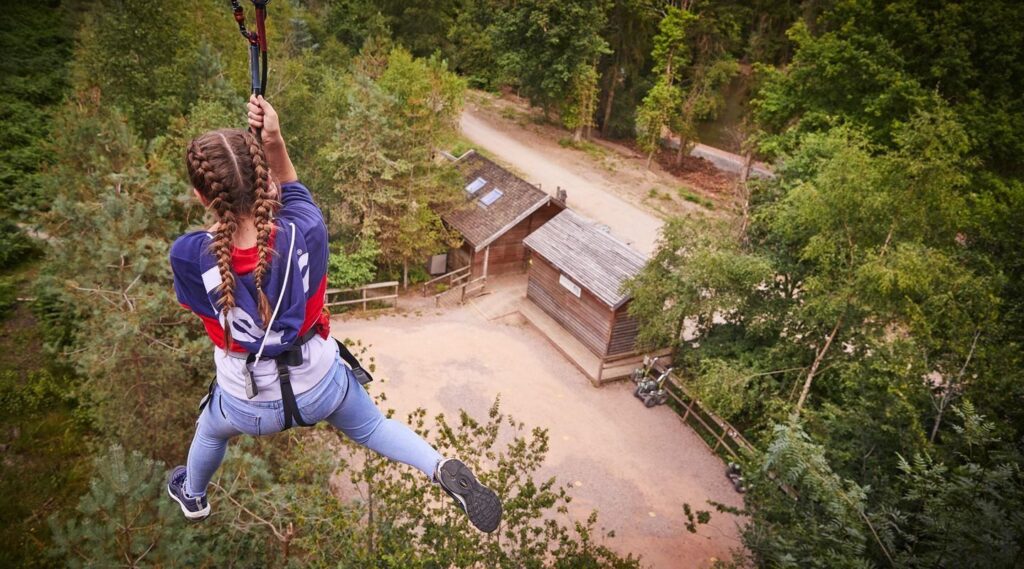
[367,294]
[461,291]
[708,425]
[454,277]
[622,365]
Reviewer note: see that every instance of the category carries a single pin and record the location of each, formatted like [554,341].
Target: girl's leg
[208,446]
[360,419]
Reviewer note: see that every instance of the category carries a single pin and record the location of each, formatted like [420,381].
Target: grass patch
[593,150]
[692,197]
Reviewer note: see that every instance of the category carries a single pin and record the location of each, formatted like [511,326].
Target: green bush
[15,246]
[39,392]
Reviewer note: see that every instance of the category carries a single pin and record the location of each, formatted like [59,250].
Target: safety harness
[291,358]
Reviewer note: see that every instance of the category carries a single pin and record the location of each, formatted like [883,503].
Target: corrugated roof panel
[593,258]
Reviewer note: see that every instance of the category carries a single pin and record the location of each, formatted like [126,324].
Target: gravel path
[636,466]
[592,191]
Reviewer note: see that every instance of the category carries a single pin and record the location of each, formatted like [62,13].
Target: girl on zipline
[257,280]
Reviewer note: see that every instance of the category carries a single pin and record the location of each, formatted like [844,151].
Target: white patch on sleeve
[304,271]
[212,280]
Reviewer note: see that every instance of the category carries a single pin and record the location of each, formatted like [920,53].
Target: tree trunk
[679,151]
[608,105]
[405,273]
[577,134]
[650,155]
[748,164]
[744,190]
[947,394]
[814,367]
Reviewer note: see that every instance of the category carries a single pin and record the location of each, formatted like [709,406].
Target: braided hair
[228,168]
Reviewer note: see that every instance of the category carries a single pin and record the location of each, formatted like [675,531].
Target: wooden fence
[366,294]
[461,291]
[717,433]
[454,278]
[621,366]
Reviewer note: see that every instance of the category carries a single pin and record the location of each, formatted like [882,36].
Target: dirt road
[592,190]
[636,466]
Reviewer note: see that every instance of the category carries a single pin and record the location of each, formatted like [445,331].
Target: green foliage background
[860,316]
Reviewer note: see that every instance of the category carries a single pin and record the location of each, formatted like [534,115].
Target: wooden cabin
[501,210]
[576,274]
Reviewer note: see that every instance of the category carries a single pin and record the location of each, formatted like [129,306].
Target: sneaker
[194,508]
[479,502]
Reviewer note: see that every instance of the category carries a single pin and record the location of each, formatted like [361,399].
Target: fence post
[364,299]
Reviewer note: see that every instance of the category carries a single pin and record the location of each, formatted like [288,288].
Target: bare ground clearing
[636,466]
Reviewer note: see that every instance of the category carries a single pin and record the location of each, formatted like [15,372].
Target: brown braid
[264,217]
[221,206]
[234,188]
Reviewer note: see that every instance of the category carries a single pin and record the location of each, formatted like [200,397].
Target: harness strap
[362,376]
[293,357]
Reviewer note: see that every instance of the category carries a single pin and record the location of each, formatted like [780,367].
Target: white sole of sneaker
[201,514]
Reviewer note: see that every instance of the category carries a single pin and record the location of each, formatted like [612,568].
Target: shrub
[15,246]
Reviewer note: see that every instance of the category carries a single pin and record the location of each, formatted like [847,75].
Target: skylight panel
[475,185]
[492,196]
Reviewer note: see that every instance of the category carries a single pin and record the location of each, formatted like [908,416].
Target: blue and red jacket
[196,278]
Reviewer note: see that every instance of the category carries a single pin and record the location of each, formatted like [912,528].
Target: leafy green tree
[382,160]
[137,55]
[546,44]
[963,512]
[348,270]
[629,31]
[33,78]
[690,55]
[578,115]
[661,107]
[698,276]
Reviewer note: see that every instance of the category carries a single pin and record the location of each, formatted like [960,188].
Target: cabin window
[491,197]
[569,285]
[475,185]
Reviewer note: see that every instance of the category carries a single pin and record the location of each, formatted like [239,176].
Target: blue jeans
[338,398]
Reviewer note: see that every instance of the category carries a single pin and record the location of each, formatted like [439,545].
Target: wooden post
[364,300]
[487,258]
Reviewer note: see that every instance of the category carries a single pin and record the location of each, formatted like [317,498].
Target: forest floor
[635,466]
[44,459]
[606,181]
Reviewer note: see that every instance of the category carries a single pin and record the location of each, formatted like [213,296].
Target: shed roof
[589,255]
[489,214]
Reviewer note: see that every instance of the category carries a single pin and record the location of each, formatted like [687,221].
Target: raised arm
[263,116]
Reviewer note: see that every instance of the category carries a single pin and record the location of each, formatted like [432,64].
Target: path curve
[590,192]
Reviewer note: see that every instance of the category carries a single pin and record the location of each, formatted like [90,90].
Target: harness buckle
[250,384]
[361,376]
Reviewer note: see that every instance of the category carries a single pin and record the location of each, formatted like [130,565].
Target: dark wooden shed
[576,274]
[501,210]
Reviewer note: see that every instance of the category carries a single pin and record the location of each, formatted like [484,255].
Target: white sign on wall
[569,285]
